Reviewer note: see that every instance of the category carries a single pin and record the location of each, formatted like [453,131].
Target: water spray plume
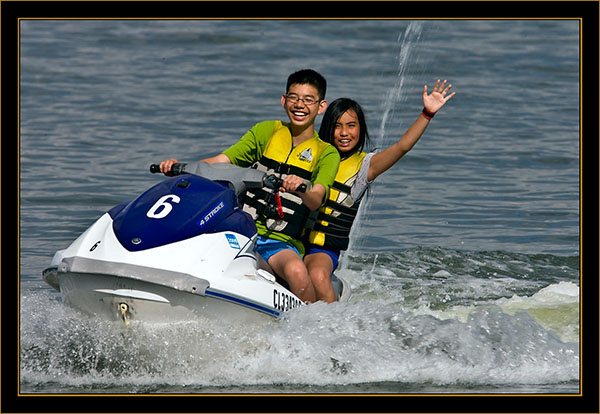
[407,41]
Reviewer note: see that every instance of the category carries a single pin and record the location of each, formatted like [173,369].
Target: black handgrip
[273,182]
[176,169]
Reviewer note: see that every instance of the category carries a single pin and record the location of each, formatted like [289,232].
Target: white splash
[407,44]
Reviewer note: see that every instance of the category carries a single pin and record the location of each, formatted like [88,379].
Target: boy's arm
[250,146]
[312,198]
[323,178]
[165,166]
[383,160]
[221,158]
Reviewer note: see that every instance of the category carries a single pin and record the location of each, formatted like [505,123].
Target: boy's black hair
[333,113]
[310,77]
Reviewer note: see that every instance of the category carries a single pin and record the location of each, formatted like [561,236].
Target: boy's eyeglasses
[308,100]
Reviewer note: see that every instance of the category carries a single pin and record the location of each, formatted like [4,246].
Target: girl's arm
[383,160]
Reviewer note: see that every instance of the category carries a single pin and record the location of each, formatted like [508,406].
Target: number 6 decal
[166,207]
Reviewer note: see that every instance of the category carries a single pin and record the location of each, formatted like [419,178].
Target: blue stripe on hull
[243,302]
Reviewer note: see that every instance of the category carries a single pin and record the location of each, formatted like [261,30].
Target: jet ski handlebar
[176,169]
[208,170]
[273,182]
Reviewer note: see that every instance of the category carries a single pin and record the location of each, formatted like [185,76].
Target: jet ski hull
[120,298]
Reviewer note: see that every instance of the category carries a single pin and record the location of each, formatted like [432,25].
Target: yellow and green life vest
[331,229]
[281,158]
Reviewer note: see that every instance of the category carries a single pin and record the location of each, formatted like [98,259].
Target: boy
[294,152]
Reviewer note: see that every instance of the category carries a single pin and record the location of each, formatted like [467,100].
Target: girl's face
[347,131]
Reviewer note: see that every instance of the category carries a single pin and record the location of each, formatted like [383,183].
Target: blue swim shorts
[334,254]
[268,247]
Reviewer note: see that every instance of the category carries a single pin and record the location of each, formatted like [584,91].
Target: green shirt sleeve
[249,148]
[326,169]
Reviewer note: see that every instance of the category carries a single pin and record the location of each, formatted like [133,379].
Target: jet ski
[182,249]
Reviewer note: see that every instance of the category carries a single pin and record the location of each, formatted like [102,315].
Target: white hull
[208,275]
[116,298]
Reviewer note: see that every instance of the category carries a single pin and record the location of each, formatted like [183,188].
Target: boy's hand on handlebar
[291,183]
[165,166]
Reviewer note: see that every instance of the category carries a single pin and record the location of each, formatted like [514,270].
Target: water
[465,263]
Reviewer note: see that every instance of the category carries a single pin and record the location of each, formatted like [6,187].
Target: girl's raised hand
[437,98]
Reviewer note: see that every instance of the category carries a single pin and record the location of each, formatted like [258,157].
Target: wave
[424,318]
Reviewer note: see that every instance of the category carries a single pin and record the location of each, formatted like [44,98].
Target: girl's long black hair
[333,113]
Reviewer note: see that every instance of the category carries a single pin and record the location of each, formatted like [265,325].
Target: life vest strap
[286,169]
[334,205]
[269,207]
[342,220]
[333,230]
[341,187]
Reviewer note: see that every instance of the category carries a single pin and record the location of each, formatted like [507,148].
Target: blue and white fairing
[177,209]
[182,246]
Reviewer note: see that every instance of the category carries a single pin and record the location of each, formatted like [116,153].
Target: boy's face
[302,105]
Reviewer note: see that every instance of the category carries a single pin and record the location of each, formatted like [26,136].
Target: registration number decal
[284,302]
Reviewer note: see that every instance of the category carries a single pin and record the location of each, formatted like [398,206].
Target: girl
[345,128]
